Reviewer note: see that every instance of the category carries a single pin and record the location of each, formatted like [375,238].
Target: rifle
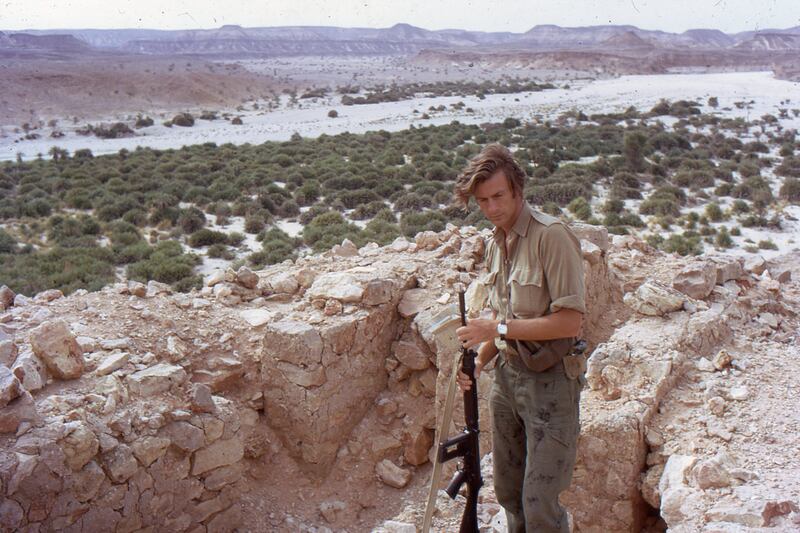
[464,445]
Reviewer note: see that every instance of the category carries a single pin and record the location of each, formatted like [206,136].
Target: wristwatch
[502,330]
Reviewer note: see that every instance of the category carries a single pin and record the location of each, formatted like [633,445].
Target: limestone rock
[427,240]
[256,317]
[339,285]
[223,476]
[218,276]
[417,442]
[185,436]
[591,252]
[696,280]
[201,400]
[220,453]
[6,298]
[154,288]
[18,411]
[10,387]
[714,472]
[393,526]
[332,510]
[400,244]
[755,264]
[80,445]
[148,449]
[48,296]
[155,379]
[8,353]
[11,513]
[413,302]
[597,235]
[378,292]
[123,343]
[722,360]
[137,288]
[284,283]
[112,362]
[346,249]
[781,274]
[728,268]
[120,464]
[654,299]
[739,393]
[392,475]
[411,354]
[87,481]
[246,278]
[57,348]
[674,488]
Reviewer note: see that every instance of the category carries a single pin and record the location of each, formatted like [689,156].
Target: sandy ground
[310,118]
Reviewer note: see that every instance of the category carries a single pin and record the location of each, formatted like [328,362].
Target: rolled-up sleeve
[562,262]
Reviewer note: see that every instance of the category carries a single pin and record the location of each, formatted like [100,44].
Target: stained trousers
[535,426]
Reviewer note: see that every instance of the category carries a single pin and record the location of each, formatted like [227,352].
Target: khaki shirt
[543,273]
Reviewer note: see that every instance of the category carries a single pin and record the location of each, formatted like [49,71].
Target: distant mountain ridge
[398,39]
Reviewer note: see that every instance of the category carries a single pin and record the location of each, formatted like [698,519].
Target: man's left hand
[477,331]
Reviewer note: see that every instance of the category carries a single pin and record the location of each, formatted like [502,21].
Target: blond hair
[493,158]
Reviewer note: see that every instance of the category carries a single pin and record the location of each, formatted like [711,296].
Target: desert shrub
[167,264]
[333,113]
[682,244]
[254,224]
[185,120]
[288,209]
[353,199]
[8,244]
[329,229]
[410,202]
[723,239]
[552,209]
[367,211]
[413,223]
[561,193]
[220,251]
[790,190]
[580,208]
[664,201]
[381,231]
[767,244]
[115,131]
[633,150]
[66,269]
[237,121]
[307,193]
[190,220]
[206,237]
[143,122]
[714,212]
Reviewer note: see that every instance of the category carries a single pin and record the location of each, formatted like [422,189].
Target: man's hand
[463,380]
[477,331]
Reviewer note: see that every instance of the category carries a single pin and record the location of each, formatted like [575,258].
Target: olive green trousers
[535,426]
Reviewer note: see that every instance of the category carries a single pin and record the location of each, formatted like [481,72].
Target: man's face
[497,202]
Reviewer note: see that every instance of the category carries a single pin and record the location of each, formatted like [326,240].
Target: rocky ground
[305,397]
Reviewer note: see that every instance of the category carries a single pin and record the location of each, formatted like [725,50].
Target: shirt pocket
[488,281]
[529,297]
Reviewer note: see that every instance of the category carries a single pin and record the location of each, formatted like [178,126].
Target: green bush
[206,237]
[183,119]
[790,190]
[8,244]
[167,264]
[413,223]
[580,208]
[767,244]
[723,239]
[190,220]
[65,269]
[714,212]
[682,245]
[329,229]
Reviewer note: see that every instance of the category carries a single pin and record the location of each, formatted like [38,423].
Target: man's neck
[507,230]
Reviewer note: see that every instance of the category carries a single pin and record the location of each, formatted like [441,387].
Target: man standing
[536,294]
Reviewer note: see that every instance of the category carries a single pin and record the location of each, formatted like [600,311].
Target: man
[536,293]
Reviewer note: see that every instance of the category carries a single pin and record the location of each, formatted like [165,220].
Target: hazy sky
[488,15]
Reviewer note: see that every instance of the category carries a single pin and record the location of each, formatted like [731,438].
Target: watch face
[502,329]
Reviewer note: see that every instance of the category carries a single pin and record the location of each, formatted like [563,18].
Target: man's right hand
[464,383]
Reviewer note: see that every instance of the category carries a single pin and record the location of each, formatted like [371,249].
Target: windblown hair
[483,166]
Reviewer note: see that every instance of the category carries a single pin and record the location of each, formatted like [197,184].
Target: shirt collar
[522,223]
